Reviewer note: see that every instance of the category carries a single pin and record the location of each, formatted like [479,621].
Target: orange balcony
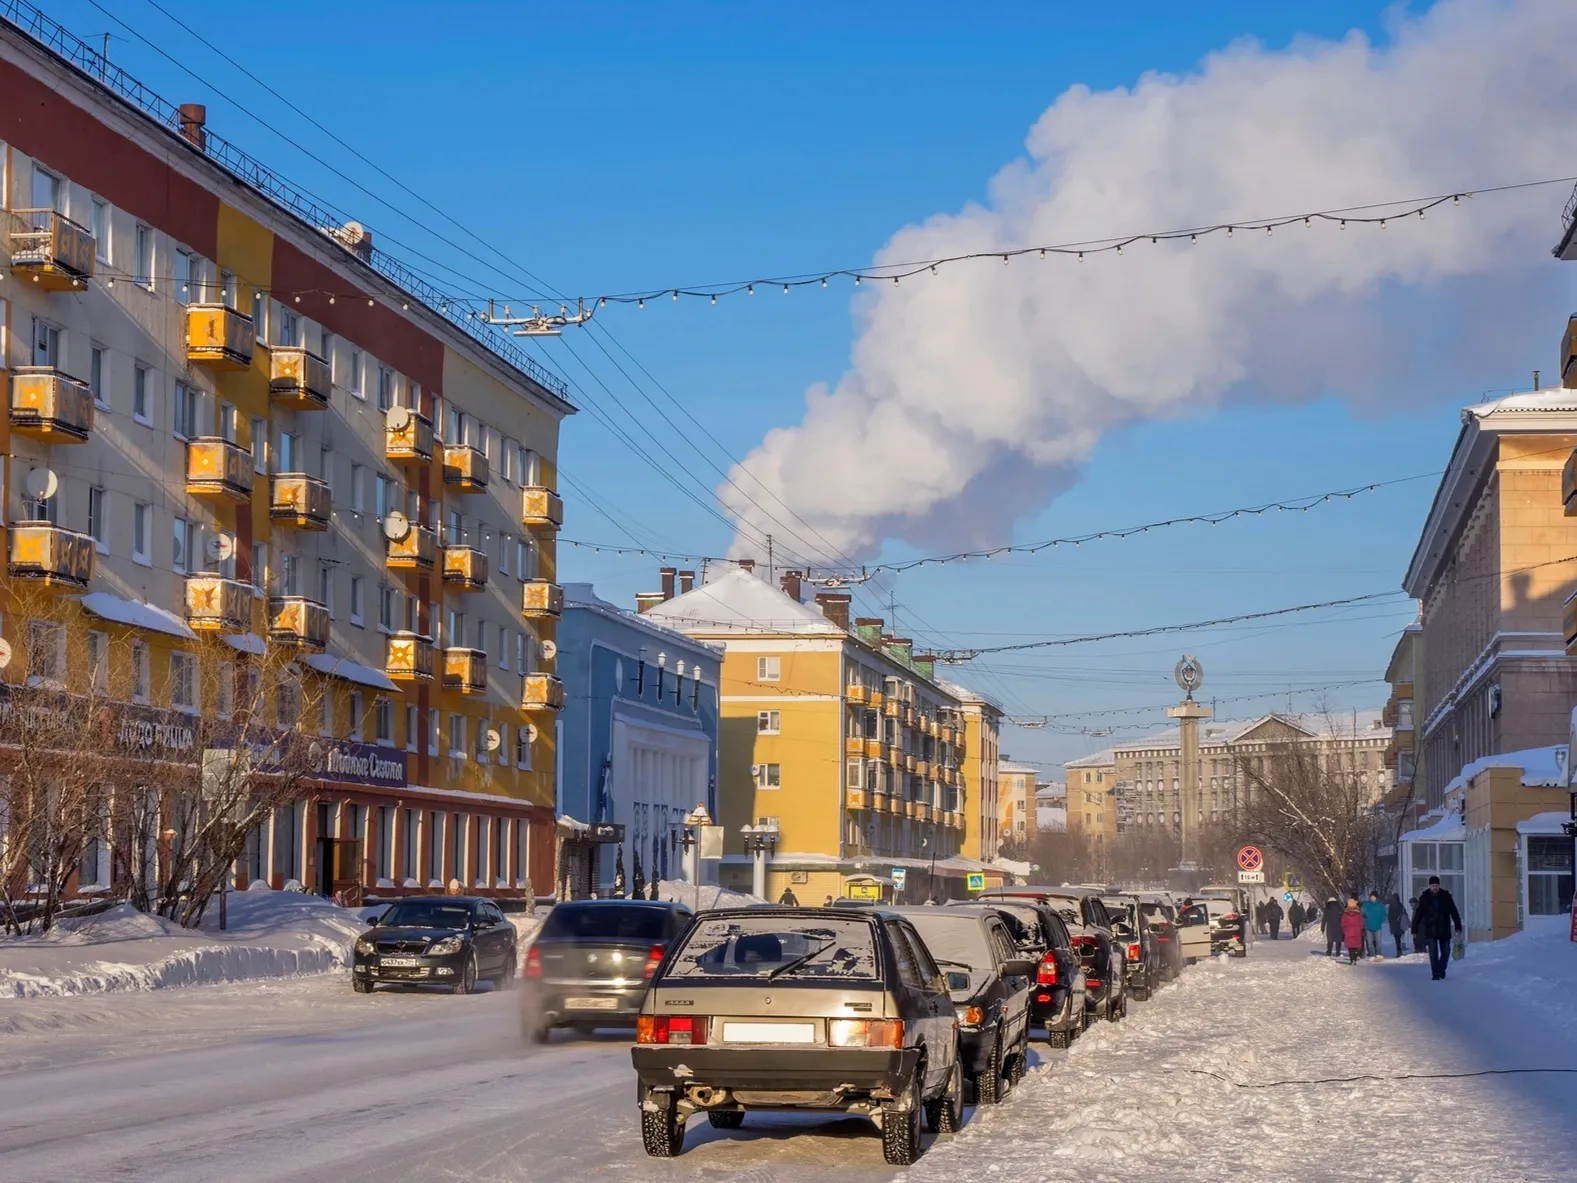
[874,698]
[45,554]
[411,658]
[923,810]
[407,437]
[297,378]
[49,249]
[856,694]
[50,406]
[465,468]
[857,799]
[911,808]
[922,768]
[541,508]
[908,716]
[893,755]
[465,670]
[219,337]
[298,622]
[299,501]
[465,569]
[873,749]
[853,745]
[417,551]
[892,708]
[218,605]
[884,803]
[541,600]
[218,468]
[542,692]
[908,762]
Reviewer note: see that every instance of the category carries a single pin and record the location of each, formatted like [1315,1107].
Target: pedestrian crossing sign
[977,881]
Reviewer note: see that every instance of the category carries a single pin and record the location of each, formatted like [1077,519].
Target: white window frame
[142,395]
[769,722]
[769,668]
[183,675]
[141,672]
[98,525]
[141,533]
[356,585]
[769,776]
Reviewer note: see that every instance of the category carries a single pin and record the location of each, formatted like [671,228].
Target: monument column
[1190,676]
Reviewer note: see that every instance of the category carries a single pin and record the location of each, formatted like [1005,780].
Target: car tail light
[865,1033]
[1092,983]
[1046,973]
[670,1029]
[972,1016]
[1231,916]
[653,959]
[533,963]
[1133,952]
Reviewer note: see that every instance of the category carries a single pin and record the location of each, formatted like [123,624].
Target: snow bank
[678,891]
[1537,966]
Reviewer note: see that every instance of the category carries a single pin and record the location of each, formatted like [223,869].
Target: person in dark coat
[1397,916]
[789,898]
[1332,923]
[1295,918]
[1434,920]
[1273,918]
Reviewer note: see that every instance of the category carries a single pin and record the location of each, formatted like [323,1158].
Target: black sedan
[1056,1001]
[452,941]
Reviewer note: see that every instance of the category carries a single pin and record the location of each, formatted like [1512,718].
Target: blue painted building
[637,743]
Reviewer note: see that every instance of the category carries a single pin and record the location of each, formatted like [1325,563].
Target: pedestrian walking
[827,903]
[1331,922]
[1273,918]
[1434,919]
[789,898]
[1295,918]
[1352,926]
[1398,918]
[1374,915]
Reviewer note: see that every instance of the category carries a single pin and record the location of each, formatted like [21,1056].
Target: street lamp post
[759,841]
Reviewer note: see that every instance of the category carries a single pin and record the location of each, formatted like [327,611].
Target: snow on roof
[1544,823]
[1016,769]
[246,643]
[343,667]
[738,602]
[137,614]
[965,694]
[1094,760]
[1549,399]
[1447,828]
[1347,725]
[584,595]
[1540,766]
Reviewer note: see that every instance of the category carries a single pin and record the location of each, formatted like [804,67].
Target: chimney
[925,666]
[901,648]
[686,581]
[791,585]
[667,574]
[194,120]
[646,601]
[748,566]
[835,607]
[869,629]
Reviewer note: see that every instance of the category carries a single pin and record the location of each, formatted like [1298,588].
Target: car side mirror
[1019,967]
[372,922]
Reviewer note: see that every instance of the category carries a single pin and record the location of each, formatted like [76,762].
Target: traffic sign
[1250,859]
[976,881]
[1251,876]
[1287,895]
[899,875]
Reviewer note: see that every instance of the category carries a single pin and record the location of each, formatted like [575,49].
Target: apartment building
[982,757]
[1403,759]
[1093,799]
[233,419]
[1016,785]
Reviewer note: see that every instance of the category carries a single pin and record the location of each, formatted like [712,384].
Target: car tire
[945,1115]
[1020,1065]
[1058,1038]
[1114,1014]
[662,1131]
[726,1119]
[466,982]
[901,1129]
[361,986]
[988,1085]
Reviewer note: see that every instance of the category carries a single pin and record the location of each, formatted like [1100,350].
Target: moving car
[1057,998]
[989,980]
[1141,949]
[590,964]
[447,940]
[830,1009]
[1160,918]
[1089,929]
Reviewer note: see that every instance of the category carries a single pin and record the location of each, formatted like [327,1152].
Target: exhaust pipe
[706,1097]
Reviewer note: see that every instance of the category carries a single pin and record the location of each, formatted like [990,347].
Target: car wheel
[1020,1066]
[1058,1038]
[662,1131]
[726,1119]
[1114,1013]
[988,1085]
[466,982]
[360,986]
[945,1115]
[901,1129]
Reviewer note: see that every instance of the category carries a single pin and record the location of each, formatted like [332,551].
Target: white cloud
[973,397]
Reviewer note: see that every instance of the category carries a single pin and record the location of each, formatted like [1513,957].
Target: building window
[141,528]
[289,575]
[46,651]
[326,710]
[99,662]
[101,229]
[227,422]
[183,554]
[385,388]
[481,741]
[225,686]
[184,418]
[183,681]
[287,702]
[229,293]
[769,776]
[141,672]
[523,746]
[96,377]
[143,271]
[355,714]
[457,736]
[1549,875]
[259,567]
[355,600]
[432,731]
[326,587]
[141,396]
[287,330]
[356,505]
[97,530]
[412,726]
[185,277]
[768,669]
[767,722]
[259,444]
[353,366]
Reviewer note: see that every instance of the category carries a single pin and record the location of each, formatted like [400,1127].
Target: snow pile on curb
[678,891]
[1536,966]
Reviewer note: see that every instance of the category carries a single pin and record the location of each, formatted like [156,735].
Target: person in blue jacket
[1374,914]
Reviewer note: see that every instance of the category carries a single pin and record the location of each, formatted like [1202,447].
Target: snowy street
[302,1079]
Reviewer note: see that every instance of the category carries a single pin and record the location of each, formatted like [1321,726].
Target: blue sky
[620,146]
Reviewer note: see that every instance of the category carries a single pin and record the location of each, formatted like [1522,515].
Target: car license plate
[591,1004]
[769,1033]
[398,962]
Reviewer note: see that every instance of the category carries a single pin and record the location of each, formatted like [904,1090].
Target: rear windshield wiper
[790,966]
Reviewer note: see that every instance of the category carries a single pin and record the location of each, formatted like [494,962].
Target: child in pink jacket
[1352,930]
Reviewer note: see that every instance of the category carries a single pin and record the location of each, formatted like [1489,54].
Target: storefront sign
[357,763]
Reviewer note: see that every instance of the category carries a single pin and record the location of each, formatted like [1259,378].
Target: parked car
[1141,950]
[840,1010]
[1057,997]
[1195,930]
[452,941]
[1228,924]
[1089,928]
[590,964]
[989,981]
[1161,919]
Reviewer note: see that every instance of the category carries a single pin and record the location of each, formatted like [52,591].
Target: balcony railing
[858,799]
[874,698]
[417,551]
[411,658]
[908,762]
[50,406]
[219,337]
[922,768]
[298,622]
[542,692]
[45,554]
[873,749]
[412,441]
[541,508]
[49,249]
[300,501]
[465,468]
[220,605]
[465,670]
[856,694]
[298,378]
[854,745]
[216,467]
[465,568]
[541,600]
[892,709]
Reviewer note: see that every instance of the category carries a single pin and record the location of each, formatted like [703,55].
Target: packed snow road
[303,1080]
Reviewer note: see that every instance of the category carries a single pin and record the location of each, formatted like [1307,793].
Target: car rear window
[955,940]
[605,922]
[801,947]
[1028,917]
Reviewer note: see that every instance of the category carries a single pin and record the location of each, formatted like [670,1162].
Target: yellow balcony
[300,501]
[874,698]
[541,508]
[908,762]
[218,468]
[412,441]
[922,768]
[50,250]
[218,605]
[298,378]
[465,670]
[50,406]
[923,810]
[465,468]
[893,755]
[45,554]
[541,600]
[857,695]
[892,708]
[411,657]
[542,692]
[911,808]
[908,716]
[949,733]
[853,745]
[465,568]
[883,803]
[417,551]
[873,749]
[857,799]
[298,622]
[219,337]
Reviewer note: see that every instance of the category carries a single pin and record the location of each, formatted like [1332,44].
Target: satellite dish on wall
[396,527]
[5,653]
[493,739]
[42,483]
[550,650]
[220,547]
[531,732]
[397,418]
